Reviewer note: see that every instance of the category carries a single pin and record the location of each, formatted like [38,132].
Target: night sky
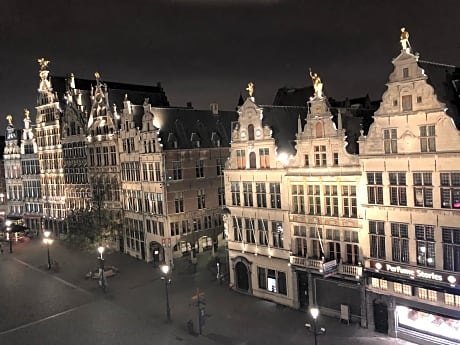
[206,51]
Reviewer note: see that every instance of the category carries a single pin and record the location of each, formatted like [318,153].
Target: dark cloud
[206,51]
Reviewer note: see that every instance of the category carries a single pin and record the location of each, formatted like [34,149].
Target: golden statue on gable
[250,88]
[404,39]
[317,84]
[97,75]
[27,113]
[9,118]
[43,64]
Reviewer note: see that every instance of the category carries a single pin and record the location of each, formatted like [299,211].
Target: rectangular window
[264,156]
[179,202]
[249,227]
[398,188]
[400,242]
[406,102]
[379,283]
[451,248]
[377,239]
[390,140]
[300,241]
[275,195]
[335,157]
[424,234]
[247,194]
[349,201]
[307,160]
[298,199]
[199,168]
[450,190]
[277,234]
[262,278]
[262,228]
[221,196]
[236,197]
[177,170]
[450,299]
[423,189]
[237,229]
[261,194]
[332,201]
[201,199]
[427,138]
[241,159]
[314,200]
[405,72]
[375,188]
[220,163]
[320,155]
[426,294]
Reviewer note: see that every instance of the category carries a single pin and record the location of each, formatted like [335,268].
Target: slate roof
[116,91]
[445,80]
[186,125]
[293,96]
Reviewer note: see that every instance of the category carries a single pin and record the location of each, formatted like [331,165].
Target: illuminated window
[424,235]
[423,190]
[451,299]
[241,159]
[397,287]
[379,283]
[271,280]
[264,157]
[402,289]
[390,140]
[427,138]
[426,294]
[450,190]
[398,188]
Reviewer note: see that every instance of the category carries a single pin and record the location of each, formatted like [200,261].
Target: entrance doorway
[381,317]
[242,276]
[302,284]
[157,252]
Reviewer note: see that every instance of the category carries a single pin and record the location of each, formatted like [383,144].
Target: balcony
[351,270]
[306,262]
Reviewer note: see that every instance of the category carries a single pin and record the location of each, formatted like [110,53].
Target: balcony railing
[345,269]
[306,262]
[351,270]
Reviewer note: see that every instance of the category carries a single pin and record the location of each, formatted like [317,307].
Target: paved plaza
[44,307]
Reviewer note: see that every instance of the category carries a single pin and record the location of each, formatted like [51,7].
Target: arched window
[319,130]
[252,160]
[251,132]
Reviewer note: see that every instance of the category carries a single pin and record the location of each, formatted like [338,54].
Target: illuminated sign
[415,272]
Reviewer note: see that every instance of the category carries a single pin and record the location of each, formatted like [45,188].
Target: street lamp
[165,270]
[100,249]
[102,284]
[47,240]
[314,313]
[8,234]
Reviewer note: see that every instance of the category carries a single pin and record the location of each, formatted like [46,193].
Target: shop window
[379,283]
[426,294]
[450,299]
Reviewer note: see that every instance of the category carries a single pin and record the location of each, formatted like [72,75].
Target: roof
[445,80]
[293,96]
[116,91]
[186,125]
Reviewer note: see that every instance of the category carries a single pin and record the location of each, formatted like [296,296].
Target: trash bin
[190,327]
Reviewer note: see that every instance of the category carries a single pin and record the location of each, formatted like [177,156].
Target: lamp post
[165,270]
[314,314]
[8,234]
[47,240]
[100,249]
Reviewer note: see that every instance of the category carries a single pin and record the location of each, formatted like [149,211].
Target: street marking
[65,282]
[41,320]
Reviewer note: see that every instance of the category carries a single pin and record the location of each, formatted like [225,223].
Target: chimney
[214,108]
[189,105]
